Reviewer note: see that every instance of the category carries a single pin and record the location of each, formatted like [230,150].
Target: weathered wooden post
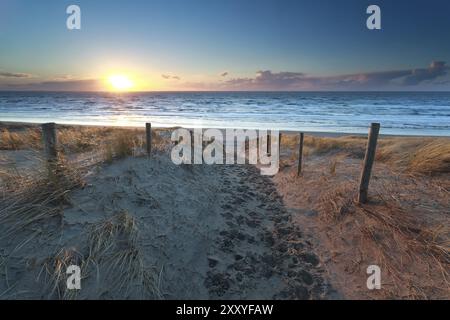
[368,162]
[279,144]
[148,134]
[50,147]
[269,141]
[192,147]
[224,149]
[50,140]
[300,153]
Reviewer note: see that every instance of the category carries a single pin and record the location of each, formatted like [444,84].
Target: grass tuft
[113,248]
[30,198]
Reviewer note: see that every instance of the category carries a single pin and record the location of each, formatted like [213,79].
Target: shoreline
[19,125]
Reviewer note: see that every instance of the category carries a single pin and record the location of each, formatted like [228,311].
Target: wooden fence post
[269,141]
[148,134]
[368,162]
[192,147]
[50,148]
[50,140]
[224,149]
[300,153]
[279,144]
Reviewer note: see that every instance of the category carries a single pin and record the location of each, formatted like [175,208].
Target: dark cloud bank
[4,74]
[59,85]
[268,80]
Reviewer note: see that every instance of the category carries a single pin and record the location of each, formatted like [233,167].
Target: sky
[225,45]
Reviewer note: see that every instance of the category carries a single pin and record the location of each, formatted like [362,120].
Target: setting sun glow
[120,82]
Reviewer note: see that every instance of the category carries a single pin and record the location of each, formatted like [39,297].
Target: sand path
[198,232]
[214,231]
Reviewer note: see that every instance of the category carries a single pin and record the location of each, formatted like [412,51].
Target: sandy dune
[147,228]
[198,232]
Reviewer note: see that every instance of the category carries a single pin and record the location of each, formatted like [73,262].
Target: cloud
[435,70]
[69,85]
[63,77]
[268,80]
[168,76]
[4,74]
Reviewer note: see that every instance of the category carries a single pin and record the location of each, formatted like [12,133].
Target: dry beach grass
[404,228]
[416,155]
[33,201]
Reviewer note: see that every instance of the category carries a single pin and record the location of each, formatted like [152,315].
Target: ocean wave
[400,113]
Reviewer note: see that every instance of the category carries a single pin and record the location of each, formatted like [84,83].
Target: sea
[399,113]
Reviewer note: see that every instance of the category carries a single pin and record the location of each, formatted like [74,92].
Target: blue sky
[226,45]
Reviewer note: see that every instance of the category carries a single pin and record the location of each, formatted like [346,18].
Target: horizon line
[219,91]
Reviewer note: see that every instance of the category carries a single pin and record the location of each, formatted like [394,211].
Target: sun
[120,82]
